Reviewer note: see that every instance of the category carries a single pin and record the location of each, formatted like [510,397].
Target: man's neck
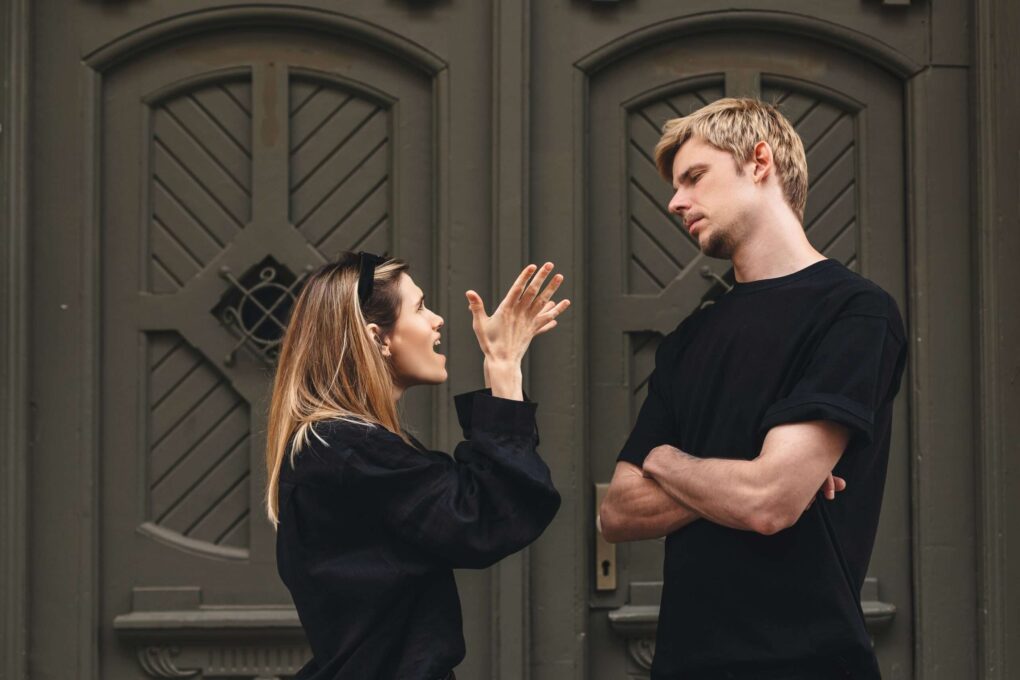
[774,250]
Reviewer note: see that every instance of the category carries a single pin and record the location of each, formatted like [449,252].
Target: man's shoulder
[849,294]
[861,295]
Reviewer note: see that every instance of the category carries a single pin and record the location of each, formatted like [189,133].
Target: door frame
[14,337]
[996,60]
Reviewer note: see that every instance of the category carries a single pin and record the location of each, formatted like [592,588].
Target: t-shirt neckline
[763,284]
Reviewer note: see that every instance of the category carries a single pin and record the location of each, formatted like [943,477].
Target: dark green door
[232,164]
[643,274]
[850,118]
[224,153]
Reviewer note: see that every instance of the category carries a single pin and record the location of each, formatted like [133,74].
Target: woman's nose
[439,322]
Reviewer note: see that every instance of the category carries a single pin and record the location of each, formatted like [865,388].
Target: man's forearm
[637,508]
[720,490]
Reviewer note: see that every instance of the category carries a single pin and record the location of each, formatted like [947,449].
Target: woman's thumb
[475,303]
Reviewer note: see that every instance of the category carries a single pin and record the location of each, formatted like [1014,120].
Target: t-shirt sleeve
[654,425]
[854,370]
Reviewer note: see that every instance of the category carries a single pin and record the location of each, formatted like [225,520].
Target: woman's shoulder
[343,442]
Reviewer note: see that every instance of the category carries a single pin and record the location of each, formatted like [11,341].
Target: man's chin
[716,245]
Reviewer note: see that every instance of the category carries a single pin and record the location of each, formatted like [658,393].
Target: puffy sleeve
[494,497]
[853,370]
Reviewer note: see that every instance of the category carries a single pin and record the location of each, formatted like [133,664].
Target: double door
[193,163]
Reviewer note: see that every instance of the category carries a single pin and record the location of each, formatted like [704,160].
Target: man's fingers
[831,485]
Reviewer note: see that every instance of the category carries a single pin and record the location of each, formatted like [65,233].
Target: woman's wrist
[505,378]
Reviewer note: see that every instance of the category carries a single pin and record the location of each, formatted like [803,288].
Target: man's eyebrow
[685,176]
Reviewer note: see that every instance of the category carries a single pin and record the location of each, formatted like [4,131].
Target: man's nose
[679,203]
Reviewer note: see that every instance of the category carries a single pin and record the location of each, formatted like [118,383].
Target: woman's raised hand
[526,311]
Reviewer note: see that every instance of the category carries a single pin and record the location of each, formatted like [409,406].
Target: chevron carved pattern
[339,167]
[658,245]
[198,446]
[829,136]
[200,178]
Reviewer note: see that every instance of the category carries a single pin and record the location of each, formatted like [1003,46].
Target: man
[755,401]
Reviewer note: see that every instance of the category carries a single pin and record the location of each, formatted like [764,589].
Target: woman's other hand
[526,311]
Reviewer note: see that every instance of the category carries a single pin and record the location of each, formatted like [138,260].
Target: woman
[371,524]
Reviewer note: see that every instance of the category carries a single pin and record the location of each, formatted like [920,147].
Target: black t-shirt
[820,344]
[372,527]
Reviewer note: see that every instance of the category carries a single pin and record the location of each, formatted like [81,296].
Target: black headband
[367,262]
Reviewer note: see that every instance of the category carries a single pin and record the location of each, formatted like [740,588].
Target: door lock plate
[605,552]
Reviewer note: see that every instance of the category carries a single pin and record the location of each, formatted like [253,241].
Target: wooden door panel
[232,164]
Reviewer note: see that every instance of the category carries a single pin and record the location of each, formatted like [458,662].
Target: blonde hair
[330,366]
[737,125]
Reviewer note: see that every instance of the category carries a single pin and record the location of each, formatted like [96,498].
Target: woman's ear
[380,339]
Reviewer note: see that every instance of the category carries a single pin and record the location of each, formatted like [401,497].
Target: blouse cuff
[479,410]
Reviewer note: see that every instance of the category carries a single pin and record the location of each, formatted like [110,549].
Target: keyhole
[605,567]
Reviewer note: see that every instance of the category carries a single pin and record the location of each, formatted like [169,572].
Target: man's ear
[763,161]
[380,339]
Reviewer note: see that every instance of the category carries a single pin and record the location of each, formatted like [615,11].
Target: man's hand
[829,488]
[636,508]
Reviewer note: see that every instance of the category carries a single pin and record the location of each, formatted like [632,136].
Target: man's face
[711,197]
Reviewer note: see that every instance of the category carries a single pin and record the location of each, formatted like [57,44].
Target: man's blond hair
[737,125]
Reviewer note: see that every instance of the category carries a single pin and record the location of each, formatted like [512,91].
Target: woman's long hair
[330,366]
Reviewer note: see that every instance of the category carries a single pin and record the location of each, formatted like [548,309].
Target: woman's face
[413,342]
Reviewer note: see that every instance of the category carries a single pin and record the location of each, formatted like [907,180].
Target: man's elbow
[771,515]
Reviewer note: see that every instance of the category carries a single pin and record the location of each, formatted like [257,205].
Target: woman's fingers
[547,316]
[546,295]
[537,281]
[546,328]
[476,305]
[840,483]
[517,289]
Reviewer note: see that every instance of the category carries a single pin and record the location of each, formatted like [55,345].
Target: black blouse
[371,529]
